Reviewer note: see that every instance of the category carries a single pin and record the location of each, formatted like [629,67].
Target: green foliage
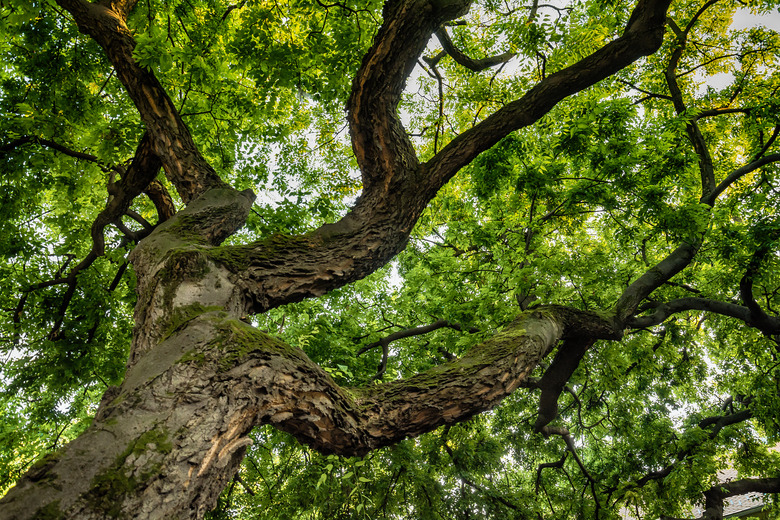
[569,211]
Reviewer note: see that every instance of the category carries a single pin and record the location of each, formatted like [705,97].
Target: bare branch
[407,333]
[654,277]
[475,65]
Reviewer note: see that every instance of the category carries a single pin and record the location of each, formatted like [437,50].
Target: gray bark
[165,442]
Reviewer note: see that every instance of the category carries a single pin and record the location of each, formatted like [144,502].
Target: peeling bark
[175,431]
[167,440]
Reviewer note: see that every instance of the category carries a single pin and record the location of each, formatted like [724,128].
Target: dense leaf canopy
[676,152]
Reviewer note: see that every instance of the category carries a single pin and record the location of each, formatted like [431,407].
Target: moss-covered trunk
[165,442]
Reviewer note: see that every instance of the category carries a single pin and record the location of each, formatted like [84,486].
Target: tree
[582,230]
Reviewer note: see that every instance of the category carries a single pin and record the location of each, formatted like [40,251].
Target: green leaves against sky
[568,212]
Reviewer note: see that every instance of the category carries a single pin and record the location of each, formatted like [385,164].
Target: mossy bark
[164,443]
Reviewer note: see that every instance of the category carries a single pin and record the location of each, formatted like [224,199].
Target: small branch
[138,218]
[470,63]
[142,169]
[231,8]
[557,464]
[473,484]
[714,424]
[719,112]
[646,92]
[567,438]
[407,333]
[16,143]
[737,174]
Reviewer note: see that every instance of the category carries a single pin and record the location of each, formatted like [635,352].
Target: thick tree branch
[643,36]
[396,188]
[253,379]
[552,383]
[171,140]
[654,277]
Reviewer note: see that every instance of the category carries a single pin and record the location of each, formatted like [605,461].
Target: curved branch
[706,168]
[161,199]
[382,147]
[654,277]
[396,189]
[643,36]
[679,258]
[155,190]
[28,139]
[715,496]
[267,382]
[554,380]
[143,168]
[737,174]
[766,324]
[557,464]
[474,65]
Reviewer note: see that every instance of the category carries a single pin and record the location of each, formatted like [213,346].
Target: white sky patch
[743,19]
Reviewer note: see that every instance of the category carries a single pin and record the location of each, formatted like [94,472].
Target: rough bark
[165,442]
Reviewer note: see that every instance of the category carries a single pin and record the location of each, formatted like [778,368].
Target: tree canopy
[532,272]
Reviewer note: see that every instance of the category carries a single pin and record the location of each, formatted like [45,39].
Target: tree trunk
[165,443]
